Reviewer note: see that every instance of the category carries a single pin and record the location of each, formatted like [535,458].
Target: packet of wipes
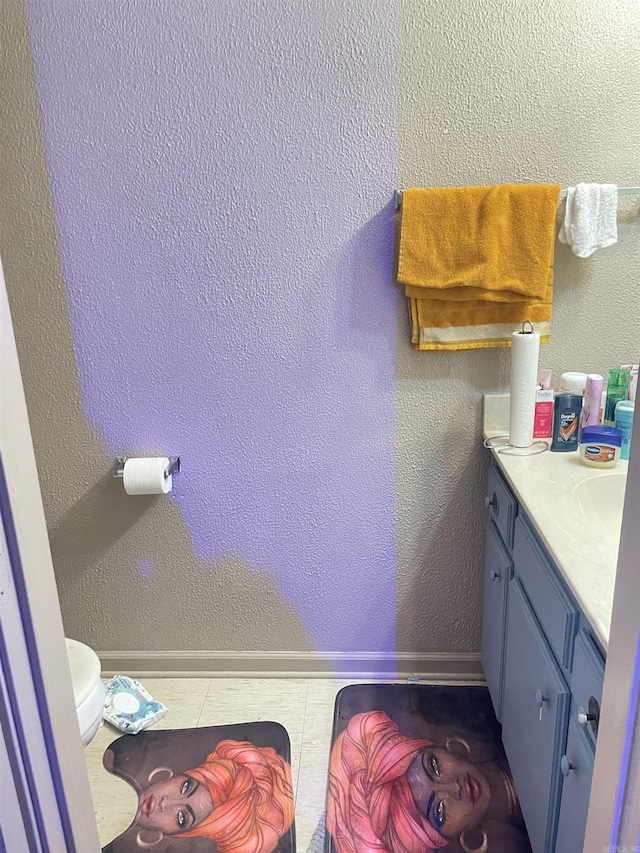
[129,707]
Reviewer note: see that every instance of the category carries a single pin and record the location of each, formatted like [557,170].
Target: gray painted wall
[492,92]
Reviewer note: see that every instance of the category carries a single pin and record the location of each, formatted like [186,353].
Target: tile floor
[304,706]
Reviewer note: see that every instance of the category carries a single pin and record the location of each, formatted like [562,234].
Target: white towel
[590,218]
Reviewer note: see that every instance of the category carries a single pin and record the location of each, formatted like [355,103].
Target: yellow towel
[473,325]
[476,262]
[488,243]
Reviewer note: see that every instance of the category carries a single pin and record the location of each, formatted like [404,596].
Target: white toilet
[88,688]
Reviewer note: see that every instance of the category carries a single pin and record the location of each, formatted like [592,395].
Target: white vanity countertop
[587,559]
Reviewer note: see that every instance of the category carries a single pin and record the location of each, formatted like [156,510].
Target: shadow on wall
[441,466]
[100,537]
[459,590]
[374,243]
[128,578]
[82,535]
[447,554]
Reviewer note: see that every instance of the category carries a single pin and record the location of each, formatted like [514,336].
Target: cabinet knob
[565,767]
[592,716]
[540,700]
[492,501]
[494,575]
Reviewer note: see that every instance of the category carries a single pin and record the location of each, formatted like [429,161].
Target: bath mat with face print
[420,767]
[219,789]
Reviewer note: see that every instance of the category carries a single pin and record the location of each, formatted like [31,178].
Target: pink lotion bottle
[592,397]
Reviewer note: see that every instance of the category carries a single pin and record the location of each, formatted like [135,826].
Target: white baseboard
[441,666]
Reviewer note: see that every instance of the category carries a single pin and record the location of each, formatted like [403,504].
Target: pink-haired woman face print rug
[220,789]
[420,768]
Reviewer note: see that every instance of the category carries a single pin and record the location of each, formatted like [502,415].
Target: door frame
[613,823]
[41,679]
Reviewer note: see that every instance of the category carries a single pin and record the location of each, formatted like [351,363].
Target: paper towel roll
[525,347]
[146,476]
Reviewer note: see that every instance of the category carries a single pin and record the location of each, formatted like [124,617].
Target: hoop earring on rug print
[140,841]
[484,846]
[459,740]
[151,778]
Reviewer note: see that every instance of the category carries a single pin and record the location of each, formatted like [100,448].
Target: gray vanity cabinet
[535,713]
[576,767]
[544,669]
[498,570]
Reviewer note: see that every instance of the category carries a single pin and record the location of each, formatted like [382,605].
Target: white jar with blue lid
[600,446]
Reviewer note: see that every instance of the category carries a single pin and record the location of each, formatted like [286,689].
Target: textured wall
[494,91]
[222,183]
[103,545]
[223,178]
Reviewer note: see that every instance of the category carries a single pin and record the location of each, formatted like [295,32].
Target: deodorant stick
[566,419]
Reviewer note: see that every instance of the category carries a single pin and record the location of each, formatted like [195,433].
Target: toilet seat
[88,688]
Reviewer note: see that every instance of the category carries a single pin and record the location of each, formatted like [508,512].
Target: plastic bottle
[633,379]
[566,418]
[572,382]
[592,397]
[624,422]
[617,389]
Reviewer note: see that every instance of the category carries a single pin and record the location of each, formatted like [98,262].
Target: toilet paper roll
[525,347]
[146,476]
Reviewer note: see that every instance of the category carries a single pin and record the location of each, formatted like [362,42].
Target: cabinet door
[535,708]
[497,574]
[502,506]
[576,767]
[556,611]
[586,683]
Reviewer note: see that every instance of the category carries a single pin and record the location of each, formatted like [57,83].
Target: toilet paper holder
[173,467]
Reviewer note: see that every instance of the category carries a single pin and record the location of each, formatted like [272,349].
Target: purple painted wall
[222,177]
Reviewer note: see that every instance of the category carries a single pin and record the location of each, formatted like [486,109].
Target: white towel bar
[621,191]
